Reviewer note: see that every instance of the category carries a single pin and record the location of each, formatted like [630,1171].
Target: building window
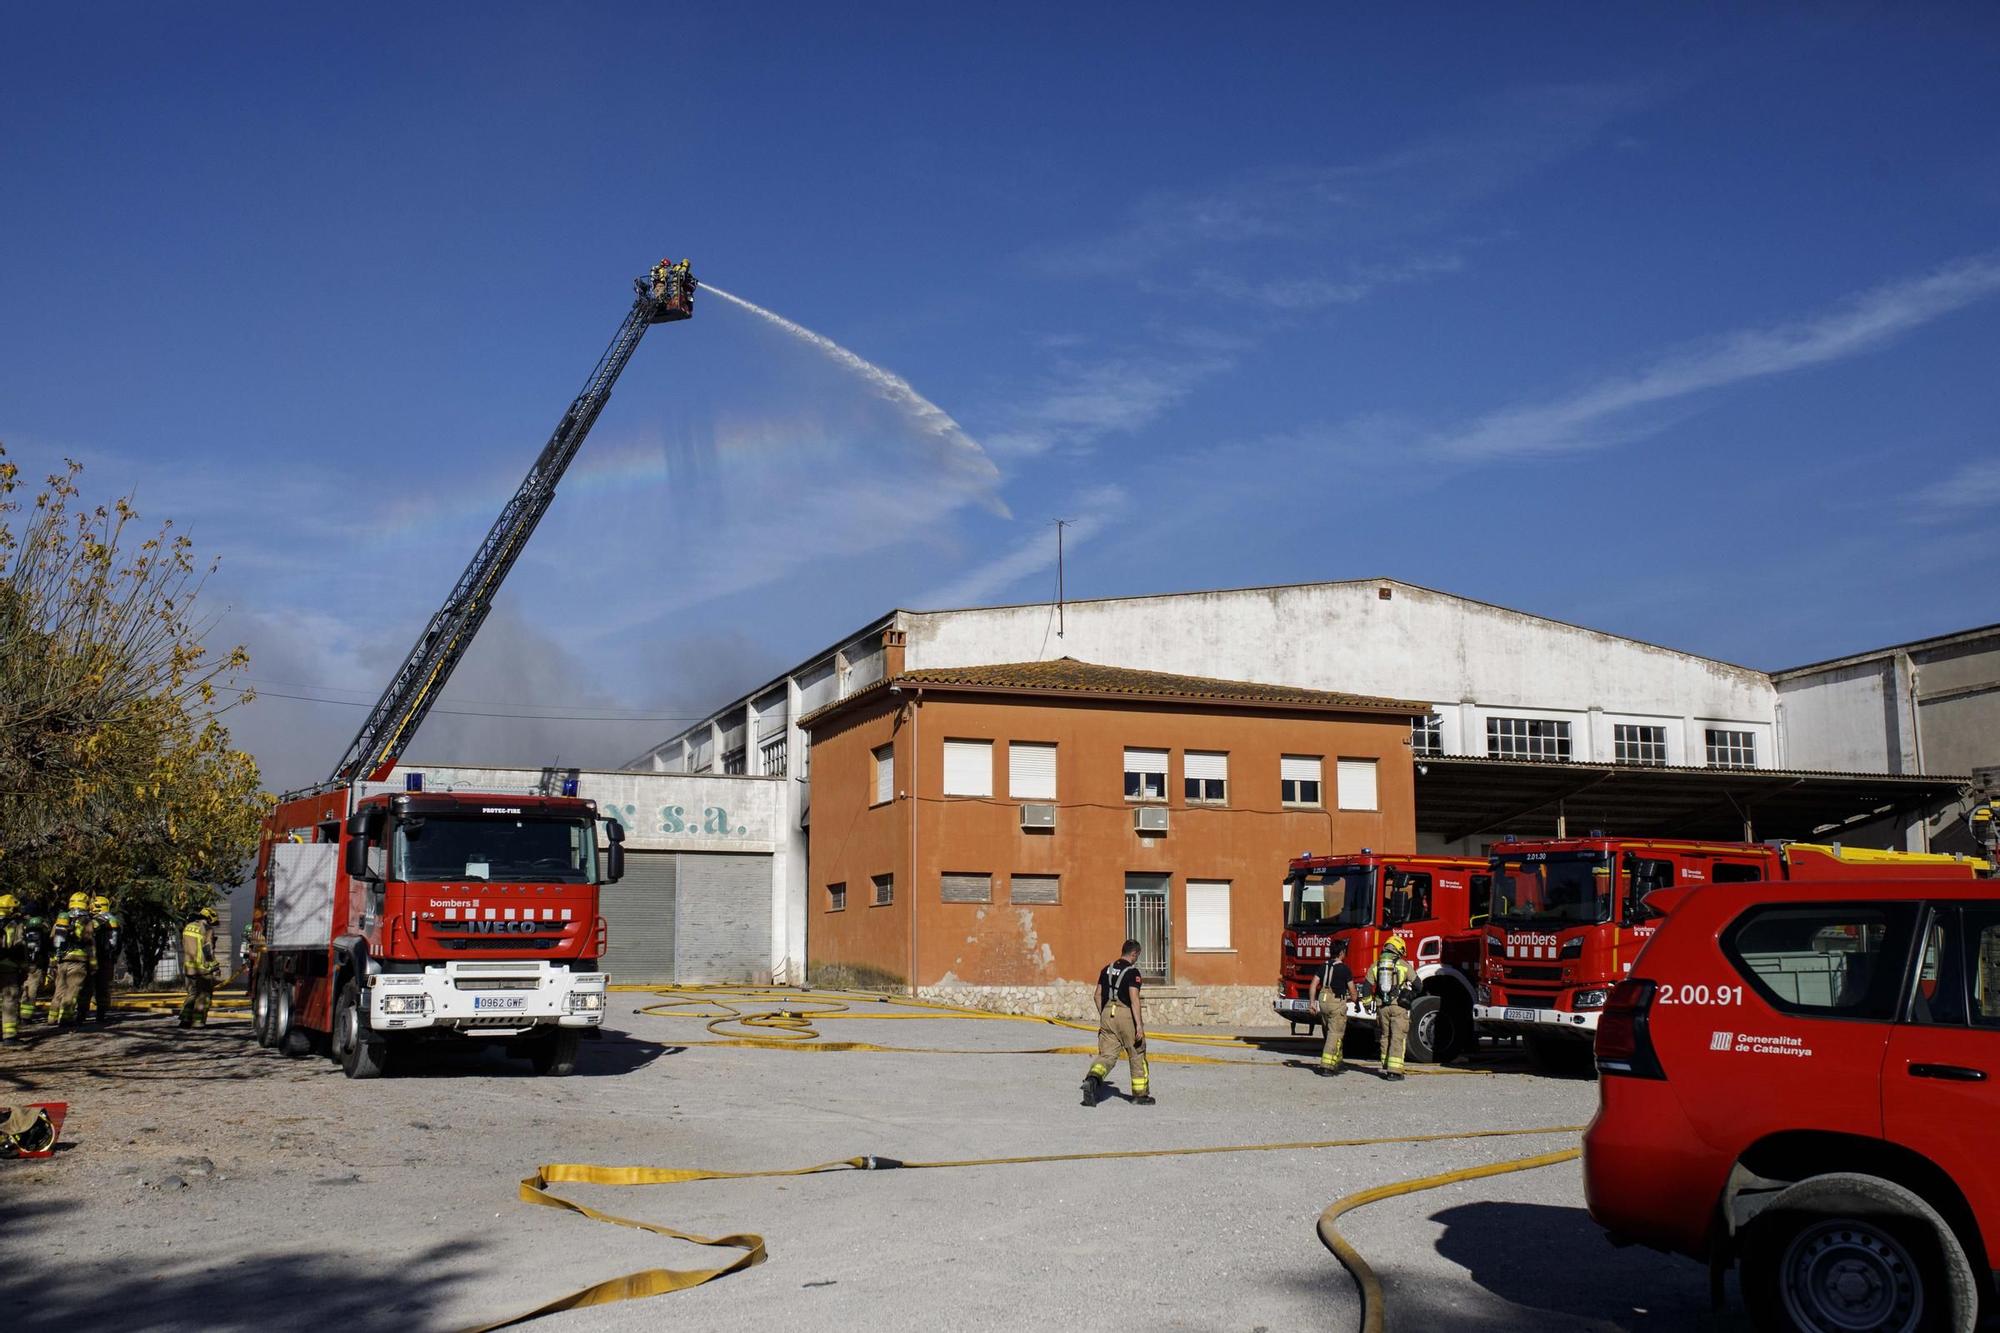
[1526,738]
[1145,775]
[968,768]
[1041,890]
[885,890]
[1298,779]
[1731,749]
[773,756]
[1638,745]
[885,774]
[836,897]
[1427,735]
[1031,770]
[965,888]
[1208,914]
[1354,784]
[736,760]
[1205,773]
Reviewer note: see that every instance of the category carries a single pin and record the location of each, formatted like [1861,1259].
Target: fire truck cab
[1435,903]
[1571,914]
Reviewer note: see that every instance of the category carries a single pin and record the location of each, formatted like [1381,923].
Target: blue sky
[1677,323]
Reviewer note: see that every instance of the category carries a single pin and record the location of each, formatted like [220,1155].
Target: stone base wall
[1166,1006]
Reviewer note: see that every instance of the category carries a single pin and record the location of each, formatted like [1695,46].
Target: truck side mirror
[614,862]
[357,856]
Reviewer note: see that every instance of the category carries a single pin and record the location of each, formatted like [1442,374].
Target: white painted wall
[1468,657]
[678,812]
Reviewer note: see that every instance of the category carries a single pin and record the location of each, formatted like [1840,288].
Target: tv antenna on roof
[1062,622]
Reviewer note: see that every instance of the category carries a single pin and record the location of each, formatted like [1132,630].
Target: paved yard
[207,1184]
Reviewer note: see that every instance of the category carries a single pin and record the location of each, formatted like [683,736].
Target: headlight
[1486,995]
[1572,948]
[585,1002]
[406,1004]
[1497,941]
[1590,999]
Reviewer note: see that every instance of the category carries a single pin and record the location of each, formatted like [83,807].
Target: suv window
[1958,975]
[1829,960]
[1982,963]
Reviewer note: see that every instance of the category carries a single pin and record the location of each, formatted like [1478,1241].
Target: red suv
[1804,1079]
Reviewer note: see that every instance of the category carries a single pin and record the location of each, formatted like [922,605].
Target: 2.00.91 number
[1701,994]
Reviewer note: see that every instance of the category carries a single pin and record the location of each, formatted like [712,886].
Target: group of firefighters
[56,968]
[1121,1018]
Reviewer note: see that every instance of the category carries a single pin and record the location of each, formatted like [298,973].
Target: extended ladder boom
[665,294]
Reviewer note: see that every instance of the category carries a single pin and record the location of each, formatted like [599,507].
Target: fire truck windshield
[1332,898]
[1534,888]
[440,848]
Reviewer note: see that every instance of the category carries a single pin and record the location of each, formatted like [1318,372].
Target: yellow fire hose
[657,1281]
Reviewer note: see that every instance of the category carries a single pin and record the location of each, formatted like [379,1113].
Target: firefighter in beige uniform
[14,962]
[198,967]
[1121,1027]
[1332,988]
[74,936]
[1395,983]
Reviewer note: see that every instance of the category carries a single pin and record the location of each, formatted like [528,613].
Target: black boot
[1329,1071]
[1143,1099]
[1092,1085]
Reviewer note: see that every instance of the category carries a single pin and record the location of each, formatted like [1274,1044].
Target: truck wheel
[1823,1272]
[1438,1030]
[361,1053]
[288,1042]
[260,1009]
[555,1054]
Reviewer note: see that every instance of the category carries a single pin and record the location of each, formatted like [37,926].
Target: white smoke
[964,454]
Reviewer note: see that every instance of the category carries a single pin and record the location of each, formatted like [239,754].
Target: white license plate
[499,1002]
[1522,1015]
[1294,1007]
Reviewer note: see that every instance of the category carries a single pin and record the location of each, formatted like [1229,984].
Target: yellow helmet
[100,904]
[207,912]
[1394,944]
[79,902]
[8,902]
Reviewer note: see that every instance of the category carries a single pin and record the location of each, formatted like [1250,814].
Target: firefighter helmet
[100,904]
[79,902]
[1394,944]
[207,912]
[8,902]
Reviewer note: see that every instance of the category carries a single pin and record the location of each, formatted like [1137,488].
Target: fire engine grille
[1534,973]
[497,983]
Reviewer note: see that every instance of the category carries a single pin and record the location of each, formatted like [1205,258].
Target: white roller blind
[968,768]
[1035,889]
[1205,765]
[1146,761]
[1299,768]
[1355,784]
[1031,770]
[1208,914]
[885,774]
[966,888]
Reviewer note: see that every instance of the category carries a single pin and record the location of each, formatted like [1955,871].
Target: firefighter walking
[34,988]
[14,960]
[72,941]
[1395,983]
[1121,1027]
[198,967]
[104,960]
[1332,988]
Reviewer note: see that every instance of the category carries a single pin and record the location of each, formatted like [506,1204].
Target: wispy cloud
[1613,410]
[1973,489]
[1313,292]
[1036,554]
[1080,402]
[1415,187]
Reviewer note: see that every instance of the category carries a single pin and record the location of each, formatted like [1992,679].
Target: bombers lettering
[1530,937]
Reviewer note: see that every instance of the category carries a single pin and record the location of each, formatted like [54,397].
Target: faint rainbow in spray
[617,468]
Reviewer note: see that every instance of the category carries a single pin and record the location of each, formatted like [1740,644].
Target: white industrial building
[1538,726]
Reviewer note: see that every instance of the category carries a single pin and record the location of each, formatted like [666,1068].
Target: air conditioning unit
[1150,819]
[1038,816]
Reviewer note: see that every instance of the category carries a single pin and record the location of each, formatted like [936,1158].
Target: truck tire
[1439,1030]
[261,1009]
[362,1054]
[288,1042]
[554,1056]
[1822,1272]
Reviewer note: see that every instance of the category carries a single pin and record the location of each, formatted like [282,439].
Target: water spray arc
[962,452]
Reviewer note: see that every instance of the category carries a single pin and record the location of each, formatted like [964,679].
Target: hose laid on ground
[1372,1317]
[657,1281]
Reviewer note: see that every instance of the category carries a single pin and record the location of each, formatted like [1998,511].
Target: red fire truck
[1571,914]
[389,916]
[386,915]
[1436,903]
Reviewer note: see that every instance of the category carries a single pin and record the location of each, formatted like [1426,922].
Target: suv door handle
[1955,1073]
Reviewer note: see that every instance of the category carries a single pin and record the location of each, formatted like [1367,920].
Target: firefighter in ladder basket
[1121,1027]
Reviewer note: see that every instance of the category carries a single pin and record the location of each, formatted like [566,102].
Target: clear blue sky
[1674,322]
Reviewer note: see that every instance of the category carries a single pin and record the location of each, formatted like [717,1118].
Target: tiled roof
[1066,675]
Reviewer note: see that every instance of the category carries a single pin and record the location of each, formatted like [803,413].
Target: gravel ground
[207,1184]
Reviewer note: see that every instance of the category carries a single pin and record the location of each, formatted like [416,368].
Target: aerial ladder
[664,296]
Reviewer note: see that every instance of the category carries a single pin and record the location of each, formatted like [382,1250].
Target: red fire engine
[384,915]
[1436,903]
[1571,914]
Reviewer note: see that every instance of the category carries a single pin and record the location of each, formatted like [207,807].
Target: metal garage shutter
[725,928]
[640,912]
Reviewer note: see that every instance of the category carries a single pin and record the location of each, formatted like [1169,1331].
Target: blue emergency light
[413,782]
[569,786]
